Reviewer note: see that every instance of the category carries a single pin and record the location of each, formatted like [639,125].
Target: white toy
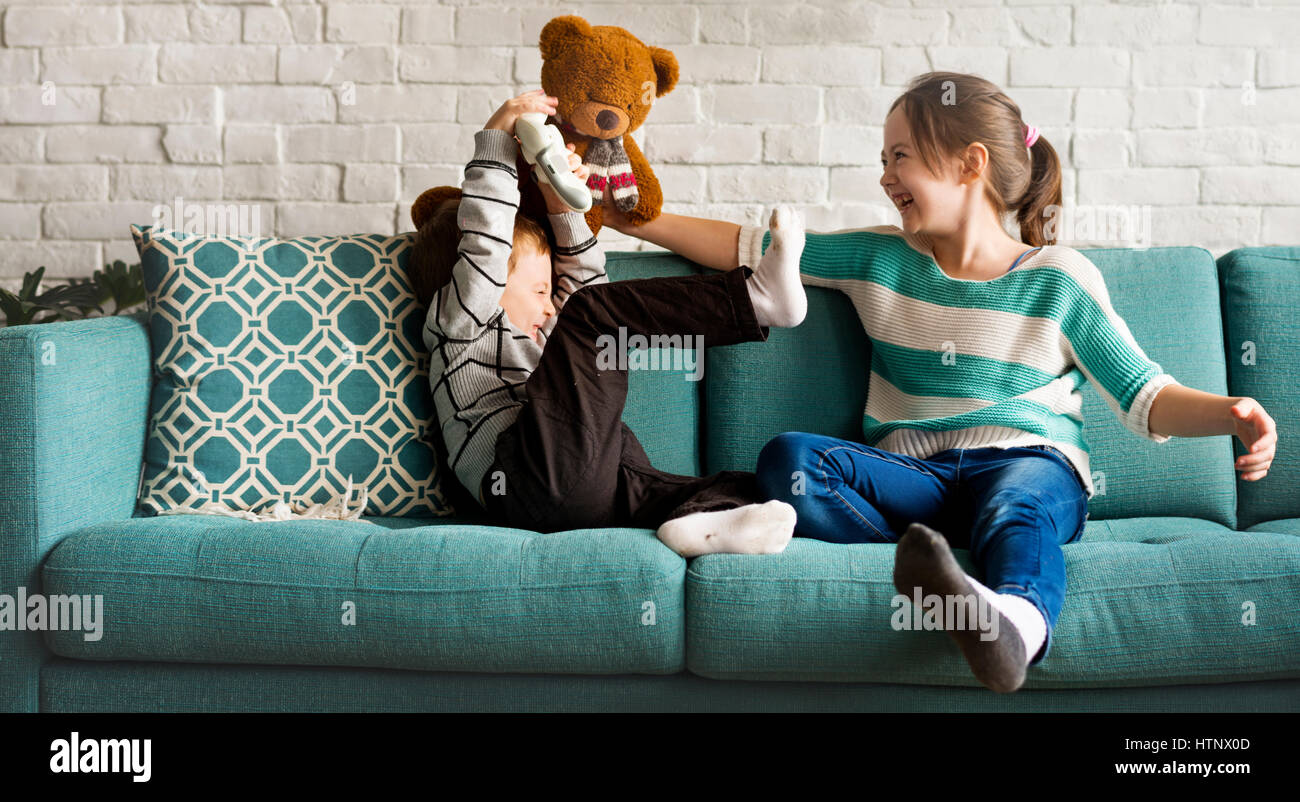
[543,147]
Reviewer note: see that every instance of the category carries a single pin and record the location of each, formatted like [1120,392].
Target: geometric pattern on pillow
[282,368]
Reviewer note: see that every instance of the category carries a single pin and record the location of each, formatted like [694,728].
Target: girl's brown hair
[437,244]
[947,111]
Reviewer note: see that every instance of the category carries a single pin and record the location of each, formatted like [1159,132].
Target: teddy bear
[605,80]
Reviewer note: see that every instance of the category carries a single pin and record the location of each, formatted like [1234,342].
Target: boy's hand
[553,203]
[537,100]
[1258,434]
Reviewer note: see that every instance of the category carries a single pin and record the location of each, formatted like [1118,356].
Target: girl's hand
[614,218]
[553,203]
[536,100]
[1258,433]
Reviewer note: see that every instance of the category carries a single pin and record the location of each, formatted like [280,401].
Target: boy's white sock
[775,288]
[1023,614]
[751,529]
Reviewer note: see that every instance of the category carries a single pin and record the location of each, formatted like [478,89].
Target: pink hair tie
[1031,135]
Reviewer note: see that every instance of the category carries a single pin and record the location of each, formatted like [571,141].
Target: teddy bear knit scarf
[609,163]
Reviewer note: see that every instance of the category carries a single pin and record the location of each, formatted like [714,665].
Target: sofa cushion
[1282,526]
[446,596]
[1261,288]
[1156,601]
[283,368]
[1183,331]
[813,378]
[78,686]
[663,402]
[796,381]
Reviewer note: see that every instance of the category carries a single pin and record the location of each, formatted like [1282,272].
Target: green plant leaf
[17,312]
[71,301]
[31,280]
[68,296]
[124,285]
[76,299]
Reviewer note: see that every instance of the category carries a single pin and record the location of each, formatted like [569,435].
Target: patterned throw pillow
[281,369]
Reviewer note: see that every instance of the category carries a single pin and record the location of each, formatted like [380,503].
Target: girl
[979,344]
[531,418]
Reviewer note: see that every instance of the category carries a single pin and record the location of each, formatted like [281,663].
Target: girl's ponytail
[1042,197]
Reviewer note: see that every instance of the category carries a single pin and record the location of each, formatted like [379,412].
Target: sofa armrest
[74,406]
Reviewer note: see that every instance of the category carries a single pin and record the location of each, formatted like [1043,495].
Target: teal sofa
[1182,596]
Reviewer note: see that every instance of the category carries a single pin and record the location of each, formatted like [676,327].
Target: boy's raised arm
[578,260]
[489,201]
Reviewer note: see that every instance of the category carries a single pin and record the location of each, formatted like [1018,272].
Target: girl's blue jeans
[1012,508]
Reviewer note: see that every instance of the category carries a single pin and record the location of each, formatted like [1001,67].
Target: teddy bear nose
[607,120]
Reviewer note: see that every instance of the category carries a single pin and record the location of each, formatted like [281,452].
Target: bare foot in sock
[924,560]
[751,529]
[775,288]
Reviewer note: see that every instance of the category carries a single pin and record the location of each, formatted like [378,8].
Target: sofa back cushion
[281,369]
[797,381]
[1261,289]
[813,378]
[664,389]
[1170,299]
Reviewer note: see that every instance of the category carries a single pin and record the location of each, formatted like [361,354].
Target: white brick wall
[332,117]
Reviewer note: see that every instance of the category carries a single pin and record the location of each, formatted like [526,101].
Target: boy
[532,421]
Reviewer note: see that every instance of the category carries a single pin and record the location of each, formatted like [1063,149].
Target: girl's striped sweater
[972,364]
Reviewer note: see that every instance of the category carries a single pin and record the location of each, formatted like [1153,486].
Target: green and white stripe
[973,364]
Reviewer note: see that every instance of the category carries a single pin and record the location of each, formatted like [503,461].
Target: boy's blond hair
[437,243]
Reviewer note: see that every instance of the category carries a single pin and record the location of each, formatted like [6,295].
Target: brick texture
[331,117]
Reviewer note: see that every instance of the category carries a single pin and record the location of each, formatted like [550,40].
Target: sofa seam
[105,573]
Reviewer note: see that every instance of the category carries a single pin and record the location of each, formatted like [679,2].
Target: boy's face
[527,297]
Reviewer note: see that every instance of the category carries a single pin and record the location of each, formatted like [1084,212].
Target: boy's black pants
[569,461]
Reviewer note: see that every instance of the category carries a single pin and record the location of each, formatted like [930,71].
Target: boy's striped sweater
[971,364]
[479,360]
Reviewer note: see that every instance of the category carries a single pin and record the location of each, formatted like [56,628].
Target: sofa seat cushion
[1172,608]
[447,597]
[1282,526]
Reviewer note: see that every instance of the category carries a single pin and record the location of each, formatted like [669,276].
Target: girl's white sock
[775,288]
[1024,616]
[751,529]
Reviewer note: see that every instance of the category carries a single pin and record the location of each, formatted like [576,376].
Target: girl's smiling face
[928,203]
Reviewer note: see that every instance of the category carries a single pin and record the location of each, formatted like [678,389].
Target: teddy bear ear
[428,201]
[561,34]
[665,69]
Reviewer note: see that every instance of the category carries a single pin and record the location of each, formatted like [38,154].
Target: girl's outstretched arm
[711,243]
[721,245]
[1186,412]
